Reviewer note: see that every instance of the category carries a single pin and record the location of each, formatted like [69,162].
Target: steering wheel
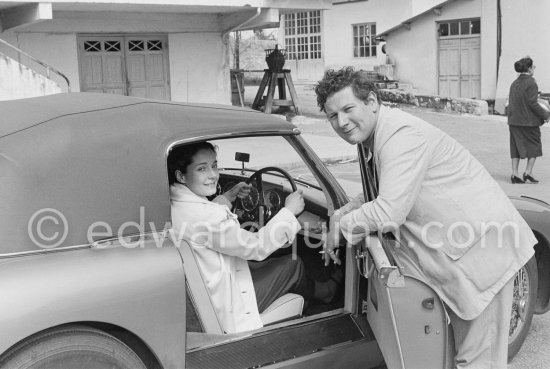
[262,210]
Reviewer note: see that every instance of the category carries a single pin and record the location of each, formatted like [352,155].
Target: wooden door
[460,67]
[127,65]
[147,67]
[470,67]
[102,65]
[449,68]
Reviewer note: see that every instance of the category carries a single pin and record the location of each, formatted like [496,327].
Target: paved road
[487,139]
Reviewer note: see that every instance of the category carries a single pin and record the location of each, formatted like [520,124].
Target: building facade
[343,35]
[165,49]
[467,48]
[453,48]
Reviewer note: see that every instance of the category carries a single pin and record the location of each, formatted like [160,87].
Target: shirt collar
[369,142]
[180,192]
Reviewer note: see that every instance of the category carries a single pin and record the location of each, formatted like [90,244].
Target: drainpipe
[499,35]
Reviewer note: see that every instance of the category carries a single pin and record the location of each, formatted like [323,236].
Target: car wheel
[523,305]
[71,346]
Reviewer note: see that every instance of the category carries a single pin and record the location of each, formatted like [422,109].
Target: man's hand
[240,190]
[332,240]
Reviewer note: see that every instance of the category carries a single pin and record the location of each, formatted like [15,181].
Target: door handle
[428,303]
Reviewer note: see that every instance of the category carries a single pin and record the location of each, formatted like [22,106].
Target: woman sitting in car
[239,292]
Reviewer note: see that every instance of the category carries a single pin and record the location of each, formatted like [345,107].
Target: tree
[246,43]
[237,50]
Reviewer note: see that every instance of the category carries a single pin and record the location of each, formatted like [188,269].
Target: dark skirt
[525,142]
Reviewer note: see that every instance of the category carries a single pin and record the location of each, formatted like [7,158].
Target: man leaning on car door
[463,235]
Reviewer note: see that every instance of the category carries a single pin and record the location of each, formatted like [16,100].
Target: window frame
[370,50]
[459,23]
[302,35]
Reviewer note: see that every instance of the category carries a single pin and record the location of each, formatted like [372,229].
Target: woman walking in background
[525,117]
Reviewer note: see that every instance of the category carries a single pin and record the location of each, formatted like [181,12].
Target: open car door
[405,314]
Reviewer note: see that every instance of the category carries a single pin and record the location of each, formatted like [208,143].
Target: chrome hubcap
[520,303]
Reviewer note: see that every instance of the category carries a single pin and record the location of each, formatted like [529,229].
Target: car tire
[71,346]
[523,306]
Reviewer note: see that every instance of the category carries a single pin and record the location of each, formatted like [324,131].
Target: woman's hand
[240,190]
[295,202]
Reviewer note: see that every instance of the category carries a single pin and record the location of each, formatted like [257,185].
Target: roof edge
[408,21]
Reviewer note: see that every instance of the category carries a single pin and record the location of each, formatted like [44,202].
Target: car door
[407,317]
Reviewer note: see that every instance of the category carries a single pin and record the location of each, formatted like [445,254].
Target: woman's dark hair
[523,65]
[336,80]
[182,156]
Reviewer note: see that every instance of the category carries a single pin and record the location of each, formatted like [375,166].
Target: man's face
[353,119]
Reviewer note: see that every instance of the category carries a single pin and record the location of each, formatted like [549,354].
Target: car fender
[141,290]
[537,214]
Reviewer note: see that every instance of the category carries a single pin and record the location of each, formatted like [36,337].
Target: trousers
[274,277]
[482,343]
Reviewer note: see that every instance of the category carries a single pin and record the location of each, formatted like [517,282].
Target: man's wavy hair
[336,80]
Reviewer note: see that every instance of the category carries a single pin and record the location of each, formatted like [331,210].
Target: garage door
[126,65]
[460,59]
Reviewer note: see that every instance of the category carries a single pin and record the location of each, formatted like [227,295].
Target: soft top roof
[23,114]
[87,158]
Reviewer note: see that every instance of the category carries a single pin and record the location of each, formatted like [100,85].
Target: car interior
[273,179]
[294,327]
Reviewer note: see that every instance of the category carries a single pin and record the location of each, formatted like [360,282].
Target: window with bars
[116,46]
[144,45]
[459,28]
[364,42]
[92,46]
[303,35]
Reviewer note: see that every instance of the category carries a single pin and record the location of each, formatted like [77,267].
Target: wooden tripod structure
[272,80]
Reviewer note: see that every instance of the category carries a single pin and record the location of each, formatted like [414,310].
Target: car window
[264,151]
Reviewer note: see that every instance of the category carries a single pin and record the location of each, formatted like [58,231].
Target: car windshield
[263,152]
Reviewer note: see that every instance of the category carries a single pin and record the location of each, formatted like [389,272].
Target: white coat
[465,237]
[222,249]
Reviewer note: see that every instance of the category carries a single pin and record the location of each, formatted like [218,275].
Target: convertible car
[92,276]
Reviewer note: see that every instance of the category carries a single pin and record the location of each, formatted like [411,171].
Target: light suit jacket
[222,249]
[464,236]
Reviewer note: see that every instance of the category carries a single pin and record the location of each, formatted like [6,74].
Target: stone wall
[459,105]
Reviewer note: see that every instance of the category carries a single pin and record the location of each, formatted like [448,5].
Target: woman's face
[201,176]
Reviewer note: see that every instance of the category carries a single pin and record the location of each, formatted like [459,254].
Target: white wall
[525,31]
[199,62]
[199,68]
[18,81]
[338,30]
[419,6]
[489,56]
[56,50]
[415,52]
